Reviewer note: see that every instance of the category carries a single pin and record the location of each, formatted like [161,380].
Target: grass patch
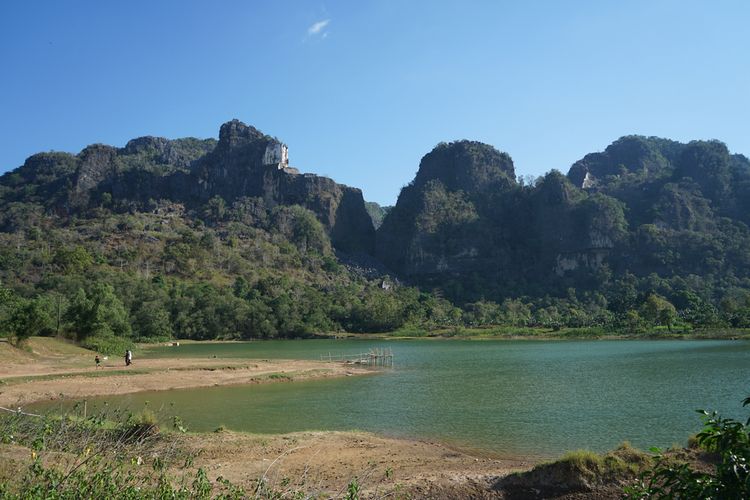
[114,454]
[409,331]
[624,461]
[580,471]
[89,374]
[109,345]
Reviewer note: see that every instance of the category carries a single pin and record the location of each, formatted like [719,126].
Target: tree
[216,209]
[98,312]
[633,321]
[73,260]
[31,318]
[657,310]
[9,304]
[697,311]
[151,321]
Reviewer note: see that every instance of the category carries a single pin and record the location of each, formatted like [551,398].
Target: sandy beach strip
[24,384]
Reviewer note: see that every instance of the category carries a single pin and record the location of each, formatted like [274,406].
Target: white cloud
[318,28]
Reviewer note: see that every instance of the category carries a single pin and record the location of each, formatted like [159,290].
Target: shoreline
[572,334]
[734,336]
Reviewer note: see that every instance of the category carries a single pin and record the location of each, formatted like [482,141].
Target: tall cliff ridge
[668,215]
[244,162]
[645,205]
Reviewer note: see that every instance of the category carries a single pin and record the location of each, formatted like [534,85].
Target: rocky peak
[466,165]
[631,154]
[234,133]
[146,144]
[238,153]
[554,189]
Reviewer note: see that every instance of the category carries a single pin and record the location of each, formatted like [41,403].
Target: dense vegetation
[198,239]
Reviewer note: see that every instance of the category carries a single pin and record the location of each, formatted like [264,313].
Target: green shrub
[109,345]
[729,440]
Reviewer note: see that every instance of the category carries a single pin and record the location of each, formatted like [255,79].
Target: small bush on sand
[578,471]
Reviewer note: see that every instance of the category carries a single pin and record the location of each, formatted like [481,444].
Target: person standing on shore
[128,357]
[98,361]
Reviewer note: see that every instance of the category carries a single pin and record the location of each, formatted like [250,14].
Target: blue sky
[360,91]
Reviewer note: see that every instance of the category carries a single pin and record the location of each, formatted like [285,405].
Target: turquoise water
[530,398]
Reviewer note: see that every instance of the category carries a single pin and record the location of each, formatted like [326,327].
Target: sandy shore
[325,462]
[22,385]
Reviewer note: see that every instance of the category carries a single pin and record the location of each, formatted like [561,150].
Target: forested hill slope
[647,214]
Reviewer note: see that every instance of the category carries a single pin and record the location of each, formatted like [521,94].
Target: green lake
[512,398]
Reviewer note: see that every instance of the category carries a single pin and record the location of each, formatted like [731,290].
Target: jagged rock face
[678,198]
[192,171]
[97,164]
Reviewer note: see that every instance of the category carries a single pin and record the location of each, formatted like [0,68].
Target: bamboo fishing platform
[374,357]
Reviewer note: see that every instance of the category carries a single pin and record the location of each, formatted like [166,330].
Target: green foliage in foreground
[729,441]
[105,481]
[112,455]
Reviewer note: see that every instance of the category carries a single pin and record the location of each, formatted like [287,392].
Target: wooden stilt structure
[374,357]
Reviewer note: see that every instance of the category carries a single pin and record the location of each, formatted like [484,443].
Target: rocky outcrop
[96,164]
[469,166]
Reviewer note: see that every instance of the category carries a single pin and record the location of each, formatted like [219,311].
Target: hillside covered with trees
[207,239]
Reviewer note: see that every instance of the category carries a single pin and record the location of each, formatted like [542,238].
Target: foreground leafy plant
[111,454]
[729,440]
